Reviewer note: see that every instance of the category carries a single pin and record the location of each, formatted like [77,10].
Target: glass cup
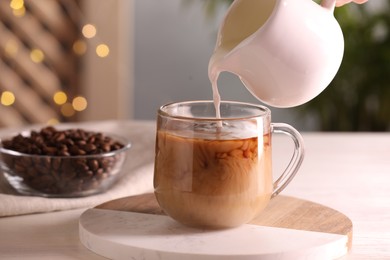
[217,173]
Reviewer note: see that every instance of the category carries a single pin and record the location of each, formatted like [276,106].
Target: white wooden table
[349,172]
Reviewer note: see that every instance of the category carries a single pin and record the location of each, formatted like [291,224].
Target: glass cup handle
[296,159]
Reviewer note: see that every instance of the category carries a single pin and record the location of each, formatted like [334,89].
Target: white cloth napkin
[137,175]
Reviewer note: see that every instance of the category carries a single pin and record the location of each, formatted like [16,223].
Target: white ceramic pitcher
[285,52]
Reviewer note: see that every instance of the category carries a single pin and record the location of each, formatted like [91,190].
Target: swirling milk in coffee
[218,164]
[227,168]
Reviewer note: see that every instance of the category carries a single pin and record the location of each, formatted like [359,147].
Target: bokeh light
[16,4]
[79,47]
[102,50]
[79,103]
[37,56]
[67,110]
[60,98]
[53,121]
[89,31]
[7,98]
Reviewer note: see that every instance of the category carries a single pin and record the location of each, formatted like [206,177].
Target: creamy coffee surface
[203,181]
[227,130]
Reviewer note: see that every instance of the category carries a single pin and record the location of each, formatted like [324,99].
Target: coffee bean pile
[67,162]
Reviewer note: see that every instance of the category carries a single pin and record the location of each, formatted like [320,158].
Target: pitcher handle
[296,159]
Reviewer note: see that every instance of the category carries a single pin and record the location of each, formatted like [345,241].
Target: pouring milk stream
[285,52]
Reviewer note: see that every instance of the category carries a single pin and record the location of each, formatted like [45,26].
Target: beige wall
[107,83]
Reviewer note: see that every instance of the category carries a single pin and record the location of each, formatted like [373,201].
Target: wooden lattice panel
[50,27]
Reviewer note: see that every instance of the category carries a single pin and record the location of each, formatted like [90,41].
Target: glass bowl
[66,175]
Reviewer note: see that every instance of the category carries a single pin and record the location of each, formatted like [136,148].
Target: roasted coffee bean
[46,162]
[105,147]
[62,172]
[63,153]
[59,136]
[90,148]
[93,164]
[56,163]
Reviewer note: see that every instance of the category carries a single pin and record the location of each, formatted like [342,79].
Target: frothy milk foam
[224,131]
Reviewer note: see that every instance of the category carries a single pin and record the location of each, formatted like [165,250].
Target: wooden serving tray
[289,228]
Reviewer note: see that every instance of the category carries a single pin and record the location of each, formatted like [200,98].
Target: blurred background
[70,60]
[65,60]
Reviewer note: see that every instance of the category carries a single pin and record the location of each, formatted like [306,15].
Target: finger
[343,2]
